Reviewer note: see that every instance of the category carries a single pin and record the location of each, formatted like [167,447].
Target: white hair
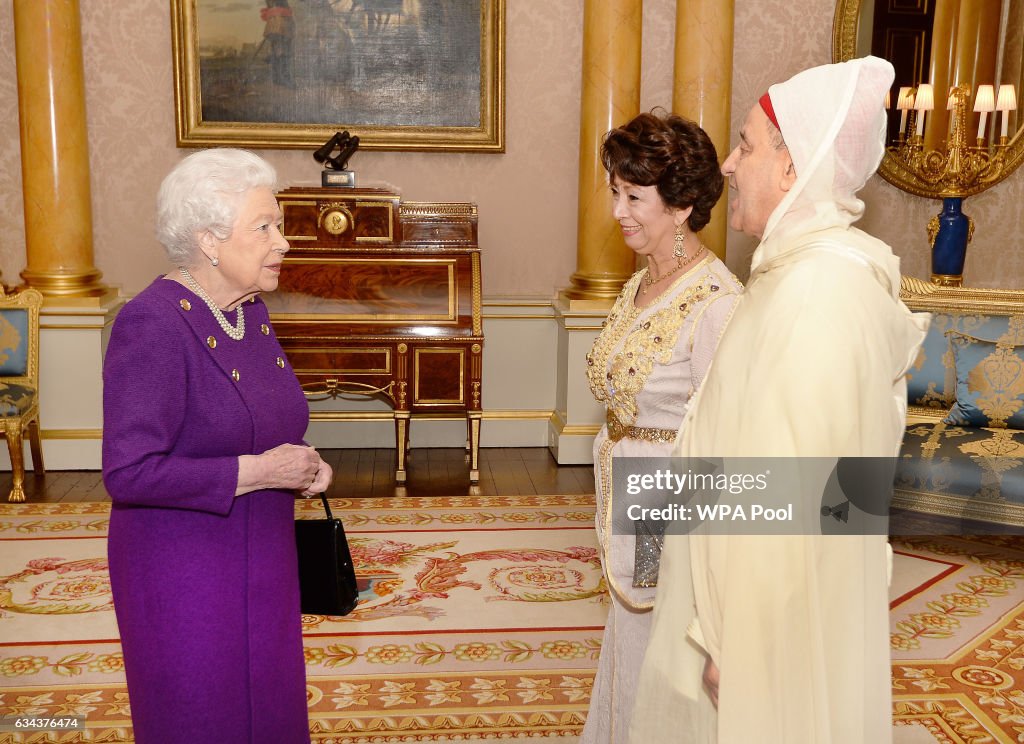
[203,193]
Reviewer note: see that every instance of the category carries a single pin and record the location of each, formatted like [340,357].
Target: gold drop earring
[677,248]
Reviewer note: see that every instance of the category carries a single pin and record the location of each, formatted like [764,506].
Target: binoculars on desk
[335,154]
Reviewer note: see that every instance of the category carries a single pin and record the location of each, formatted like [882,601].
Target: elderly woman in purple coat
[203,455]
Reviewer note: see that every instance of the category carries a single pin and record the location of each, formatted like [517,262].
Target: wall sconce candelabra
[955,172]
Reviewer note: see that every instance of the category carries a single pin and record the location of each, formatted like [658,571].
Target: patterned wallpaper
[527,196]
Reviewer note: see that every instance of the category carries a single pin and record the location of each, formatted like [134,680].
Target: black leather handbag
[327,578]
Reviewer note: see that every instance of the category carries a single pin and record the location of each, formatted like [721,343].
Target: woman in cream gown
[650,357]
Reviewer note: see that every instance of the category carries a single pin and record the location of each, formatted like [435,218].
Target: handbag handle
[327,506]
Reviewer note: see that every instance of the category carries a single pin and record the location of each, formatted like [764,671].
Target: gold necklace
[236,333]
[681,264]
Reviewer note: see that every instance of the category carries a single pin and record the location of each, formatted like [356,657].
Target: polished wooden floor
[362,473]
[370,473]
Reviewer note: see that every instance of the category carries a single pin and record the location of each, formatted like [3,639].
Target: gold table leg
[474,444]
[401,444]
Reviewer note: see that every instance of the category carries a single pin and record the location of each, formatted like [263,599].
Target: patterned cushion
[15,399]
[13,342]
[989,383]
[966,462]
[931,381]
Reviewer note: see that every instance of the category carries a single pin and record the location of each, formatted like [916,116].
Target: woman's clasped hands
[291,466]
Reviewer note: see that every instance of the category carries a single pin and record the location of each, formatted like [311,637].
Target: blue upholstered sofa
[963,452]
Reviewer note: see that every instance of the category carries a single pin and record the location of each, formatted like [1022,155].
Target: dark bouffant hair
[669,152]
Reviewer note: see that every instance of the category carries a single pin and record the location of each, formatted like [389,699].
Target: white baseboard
[60,453]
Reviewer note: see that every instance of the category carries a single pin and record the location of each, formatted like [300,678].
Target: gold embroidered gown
[644,366]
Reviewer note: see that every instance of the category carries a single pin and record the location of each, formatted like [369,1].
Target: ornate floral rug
[479,617]
[957,619]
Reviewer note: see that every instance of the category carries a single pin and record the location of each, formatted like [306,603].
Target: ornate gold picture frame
[399,74]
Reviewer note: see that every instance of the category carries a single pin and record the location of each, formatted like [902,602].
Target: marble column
[1012,71]
[702,87]
[940,72]
[977,38]
[610,97]
[78,309]
[54,150]
[612,31]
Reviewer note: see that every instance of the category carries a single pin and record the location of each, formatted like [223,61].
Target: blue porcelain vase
[950,232]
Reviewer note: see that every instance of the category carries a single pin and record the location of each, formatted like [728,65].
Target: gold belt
[617,430]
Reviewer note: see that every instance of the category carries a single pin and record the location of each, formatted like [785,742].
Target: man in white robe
[784,639]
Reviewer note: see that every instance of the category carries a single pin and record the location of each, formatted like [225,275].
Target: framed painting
[400,74]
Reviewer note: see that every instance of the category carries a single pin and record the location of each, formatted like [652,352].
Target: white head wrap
[832,119]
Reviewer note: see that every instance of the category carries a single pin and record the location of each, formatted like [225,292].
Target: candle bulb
[1006,102]
[923,101]
[983,103]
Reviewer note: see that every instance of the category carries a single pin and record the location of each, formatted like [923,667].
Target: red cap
[766,104]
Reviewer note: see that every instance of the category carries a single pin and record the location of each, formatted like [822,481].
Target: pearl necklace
[233,332]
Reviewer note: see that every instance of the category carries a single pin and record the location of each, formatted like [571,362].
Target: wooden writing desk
[381,298]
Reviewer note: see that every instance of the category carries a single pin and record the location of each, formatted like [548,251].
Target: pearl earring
[215,261]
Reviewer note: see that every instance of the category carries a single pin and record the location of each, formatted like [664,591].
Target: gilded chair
[19,381]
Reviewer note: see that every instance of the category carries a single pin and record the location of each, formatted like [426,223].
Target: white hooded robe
[812,364]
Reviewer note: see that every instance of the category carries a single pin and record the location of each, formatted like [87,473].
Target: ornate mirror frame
[844,47]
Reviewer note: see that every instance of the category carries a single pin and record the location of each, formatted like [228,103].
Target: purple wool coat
[205,585]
